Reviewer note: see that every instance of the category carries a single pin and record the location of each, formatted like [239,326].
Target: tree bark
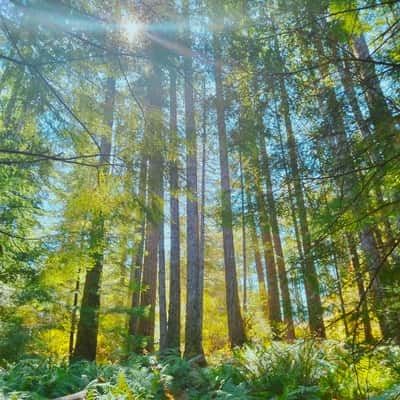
[236,330]
[257,255]
[346,180]
[339,288]
[193,334]
[374,151]
[243,215]
[86,337]
[74,315]
[375,266]
[203,205]
[283,280]
[162,300]
[174,311]
[355,261]
[299,245]
[274,309]
[154,146]
[311,283]
[135,278]
[380,114]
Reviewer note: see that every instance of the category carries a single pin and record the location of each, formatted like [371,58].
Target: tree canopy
[199,179]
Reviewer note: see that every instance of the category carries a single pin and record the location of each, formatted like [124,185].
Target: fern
[392,393]
[91,395]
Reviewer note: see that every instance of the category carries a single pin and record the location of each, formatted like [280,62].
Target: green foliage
[14,339]
[303,370]
[57,218]
[139,378]
[392,393]
[311,370]
[45,378]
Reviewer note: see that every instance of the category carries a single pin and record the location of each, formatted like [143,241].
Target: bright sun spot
[131,29]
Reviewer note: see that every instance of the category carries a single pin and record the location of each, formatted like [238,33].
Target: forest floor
[303,370]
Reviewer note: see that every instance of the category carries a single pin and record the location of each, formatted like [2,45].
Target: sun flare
[132,29]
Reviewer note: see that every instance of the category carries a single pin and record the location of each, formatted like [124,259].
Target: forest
[200,199]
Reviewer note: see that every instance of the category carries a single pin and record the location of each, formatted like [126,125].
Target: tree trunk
[174,311]
[380,114]
[355,261]
[297,280]
[86,337]
[203,205]
[283,280]
[242,190]
[237,334]
[272,277]
[154,146]
[374,153]
[193,334]
[135,277]
[257,254]
[162,300]
[73,315]
[346,179]
[375,265]
[347,82]
[338,280]
[311,283]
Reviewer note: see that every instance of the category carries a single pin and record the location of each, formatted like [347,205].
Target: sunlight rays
[132,29]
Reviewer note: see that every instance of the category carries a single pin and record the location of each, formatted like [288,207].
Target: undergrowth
[304,370]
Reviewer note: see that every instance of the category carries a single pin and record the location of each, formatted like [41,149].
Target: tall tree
[154,148]
[203,203]
[162,297]
[346,180]
[237,334]
[174,310]
[257,254]
[280,261]
[193,334]
[380,114]
[135,278]
[88,326]
[313,296]
[244,241]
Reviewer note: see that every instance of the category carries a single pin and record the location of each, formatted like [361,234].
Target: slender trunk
[347,82]
[162,300]
[154,146]
[355,261]
[122,276]
[236,330]
[203,205]
[346,180]
[74,315]
[374,152]
[257,254]
[193,334]
[272,277]
[283,280]
[86,337]
[299,244]
[375,265]
[380,114]
[311,283]
[242,189]
[174,310]
[275,316]
[135,277]
[338,279]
